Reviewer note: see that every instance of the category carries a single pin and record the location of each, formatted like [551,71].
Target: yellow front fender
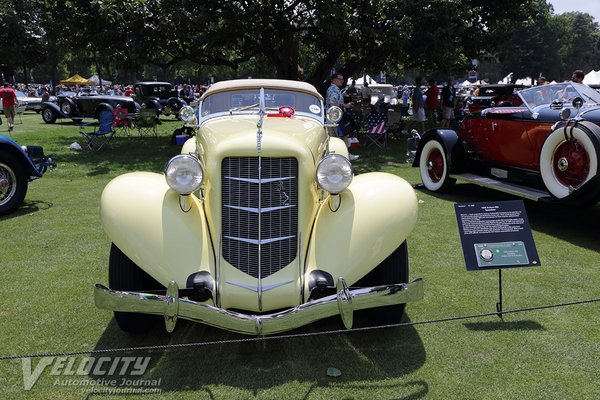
[356,231]
[143,217]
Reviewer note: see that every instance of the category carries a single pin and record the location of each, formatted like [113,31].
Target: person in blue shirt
[334,97]
[418,108]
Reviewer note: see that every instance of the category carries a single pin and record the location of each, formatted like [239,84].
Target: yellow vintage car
[259,226]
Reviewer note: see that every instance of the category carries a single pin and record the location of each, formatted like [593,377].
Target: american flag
[376,122]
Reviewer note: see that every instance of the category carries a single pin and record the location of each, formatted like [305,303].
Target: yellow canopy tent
[76,80]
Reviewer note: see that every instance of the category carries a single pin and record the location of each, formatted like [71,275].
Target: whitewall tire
[566,163]
[433,167]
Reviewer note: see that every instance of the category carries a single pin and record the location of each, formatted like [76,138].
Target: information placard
[496,235]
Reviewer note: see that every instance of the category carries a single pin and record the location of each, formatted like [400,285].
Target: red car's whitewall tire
[433,167]
[565,165]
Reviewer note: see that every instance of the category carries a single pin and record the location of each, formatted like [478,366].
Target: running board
[506,187]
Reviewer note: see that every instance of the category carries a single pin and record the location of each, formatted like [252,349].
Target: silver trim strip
[255,288]
[256,209]
[362,298]
[252,180]
[258,241]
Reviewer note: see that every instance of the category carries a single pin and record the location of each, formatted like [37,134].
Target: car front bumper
[343,303]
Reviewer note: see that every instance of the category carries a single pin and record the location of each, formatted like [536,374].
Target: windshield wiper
[243,108]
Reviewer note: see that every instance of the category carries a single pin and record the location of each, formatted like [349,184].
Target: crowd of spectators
[190,92]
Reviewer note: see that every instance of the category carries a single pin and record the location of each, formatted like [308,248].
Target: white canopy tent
[360,81]
[525,81]
[96,80]
[476,83]
[592,78]
[506,79]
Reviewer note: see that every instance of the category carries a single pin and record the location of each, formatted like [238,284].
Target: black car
[160,96]
[500,95]
[78,107]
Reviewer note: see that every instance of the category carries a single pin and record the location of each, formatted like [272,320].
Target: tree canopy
[292,39]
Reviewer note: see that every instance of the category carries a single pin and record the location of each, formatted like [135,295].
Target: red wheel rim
[435,165]
[571,163]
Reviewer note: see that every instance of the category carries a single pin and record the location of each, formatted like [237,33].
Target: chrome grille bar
[259,213]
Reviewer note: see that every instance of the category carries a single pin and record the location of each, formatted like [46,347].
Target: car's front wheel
[13,183]
[433,167]
[394,269]
[568,160]
[67,107]
[124,274]
[48,116]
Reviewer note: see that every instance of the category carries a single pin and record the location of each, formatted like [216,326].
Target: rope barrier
[297,335]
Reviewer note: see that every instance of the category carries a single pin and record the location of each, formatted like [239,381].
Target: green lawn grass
[53,249]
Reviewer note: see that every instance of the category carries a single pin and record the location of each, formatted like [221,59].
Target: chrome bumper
[344,303]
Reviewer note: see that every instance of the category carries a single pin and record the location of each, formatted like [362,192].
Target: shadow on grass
[577,225]
[505,326]
[370,357]
[128,154]
[29,207]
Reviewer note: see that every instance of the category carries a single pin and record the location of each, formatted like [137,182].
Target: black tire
[394,269]
[48,115]
[124,274]
[434,167]
[67,107]
[13,183]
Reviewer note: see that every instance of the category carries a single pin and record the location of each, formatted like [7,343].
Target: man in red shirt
[9,101]
[431,103]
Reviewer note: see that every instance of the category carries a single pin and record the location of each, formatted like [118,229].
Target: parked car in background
[160,96]
[259,225]
[33,103]
[500,95]
[18,166]
[78,107]
[547,149]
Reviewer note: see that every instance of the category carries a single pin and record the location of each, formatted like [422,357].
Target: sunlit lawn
[53,250]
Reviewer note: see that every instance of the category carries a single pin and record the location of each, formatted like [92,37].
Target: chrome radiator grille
[259,216]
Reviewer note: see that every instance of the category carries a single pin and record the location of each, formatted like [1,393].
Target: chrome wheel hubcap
[563,164]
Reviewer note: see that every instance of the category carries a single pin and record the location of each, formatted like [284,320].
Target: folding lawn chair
[122,121]
[146,123]
[20,110]
[376,133]
[101,133]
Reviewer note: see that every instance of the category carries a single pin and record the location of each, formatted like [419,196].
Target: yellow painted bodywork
[147,221]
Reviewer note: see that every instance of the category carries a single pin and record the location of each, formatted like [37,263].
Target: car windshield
[560,92]
[248,102]
[20,94]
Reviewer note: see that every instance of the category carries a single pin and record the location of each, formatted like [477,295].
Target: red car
[547,149]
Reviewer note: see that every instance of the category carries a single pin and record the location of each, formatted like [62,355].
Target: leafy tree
[20,37]
[579,43]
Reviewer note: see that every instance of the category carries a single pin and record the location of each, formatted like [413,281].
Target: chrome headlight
[184,173]
[187,115]
[334,114]
[334,173]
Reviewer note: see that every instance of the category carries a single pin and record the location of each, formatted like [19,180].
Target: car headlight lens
[334,173]
[187,115]
[184,173]
[334,114]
